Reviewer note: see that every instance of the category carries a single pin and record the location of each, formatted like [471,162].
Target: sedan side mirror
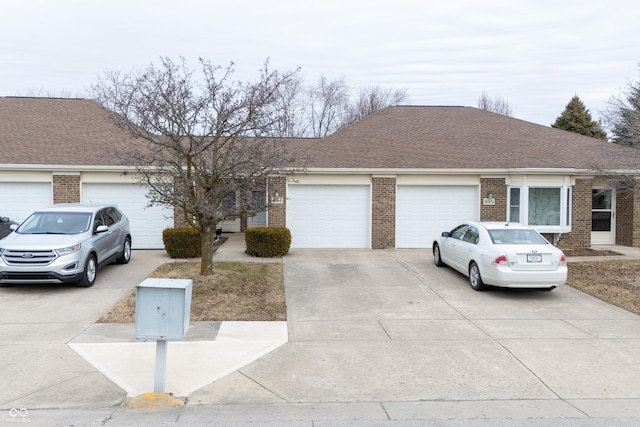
[446,234]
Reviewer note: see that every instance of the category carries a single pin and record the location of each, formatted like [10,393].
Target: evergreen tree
[576,118]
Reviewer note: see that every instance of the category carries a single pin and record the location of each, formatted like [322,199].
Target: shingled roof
[80,132]
[59,131]
[418,137]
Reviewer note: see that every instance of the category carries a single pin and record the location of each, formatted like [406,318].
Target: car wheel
[436,256]
[90,270]
[125,255]
[474,277]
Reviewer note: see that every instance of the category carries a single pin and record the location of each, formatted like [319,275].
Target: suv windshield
[56,223]
[516,237]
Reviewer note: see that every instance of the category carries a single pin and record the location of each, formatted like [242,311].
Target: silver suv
[65,243]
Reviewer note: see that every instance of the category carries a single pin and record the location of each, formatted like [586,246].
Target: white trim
[65,168]
[453,171]
[25,176]
[438,180]
[605,237]
[331,180]
[70,173]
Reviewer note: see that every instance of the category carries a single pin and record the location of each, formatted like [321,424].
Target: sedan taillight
[563,260]
[501,260]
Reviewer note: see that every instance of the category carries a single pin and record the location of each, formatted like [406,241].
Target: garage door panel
[147,223]
[19,199]
[325,216]
[423,212]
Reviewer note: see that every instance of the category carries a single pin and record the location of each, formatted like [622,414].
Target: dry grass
[588,252]
[616,282]
[236,291]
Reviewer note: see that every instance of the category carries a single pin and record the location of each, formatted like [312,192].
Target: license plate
[534,258]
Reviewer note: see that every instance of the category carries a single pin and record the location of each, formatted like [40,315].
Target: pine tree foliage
[576,118]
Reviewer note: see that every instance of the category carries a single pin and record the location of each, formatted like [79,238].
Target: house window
[544,206]
[514,204]
[547,209]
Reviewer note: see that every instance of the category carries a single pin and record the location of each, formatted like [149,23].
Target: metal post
[161,366]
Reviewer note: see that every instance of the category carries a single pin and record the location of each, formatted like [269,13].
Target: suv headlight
[69,250]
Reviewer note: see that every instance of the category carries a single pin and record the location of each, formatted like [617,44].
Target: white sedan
[501,254]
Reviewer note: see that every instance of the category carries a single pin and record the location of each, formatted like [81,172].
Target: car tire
[125,255]
[437,258]
[89,274]
[475,280]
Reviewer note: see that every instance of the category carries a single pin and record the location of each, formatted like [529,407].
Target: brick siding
[497,187]
[624,218]
[66,189]
[277,213]
[580,236]
[628,217]
[383,213]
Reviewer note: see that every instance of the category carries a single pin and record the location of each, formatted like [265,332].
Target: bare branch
[206,141]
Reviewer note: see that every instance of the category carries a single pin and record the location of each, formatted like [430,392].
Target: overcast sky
[536,54]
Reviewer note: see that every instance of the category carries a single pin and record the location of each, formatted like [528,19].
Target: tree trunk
[208,237]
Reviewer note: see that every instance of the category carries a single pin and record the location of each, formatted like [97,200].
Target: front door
[603,228]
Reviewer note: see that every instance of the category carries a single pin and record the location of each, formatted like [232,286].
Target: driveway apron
[389,326]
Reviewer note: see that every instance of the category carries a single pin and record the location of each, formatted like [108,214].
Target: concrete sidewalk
[386,338]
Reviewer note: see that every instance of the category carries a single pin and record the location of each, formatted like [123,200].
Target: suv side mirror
[101,229]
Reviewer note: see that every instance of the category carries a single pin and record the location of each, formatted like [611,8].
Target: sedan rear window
[56,223]
[516,237]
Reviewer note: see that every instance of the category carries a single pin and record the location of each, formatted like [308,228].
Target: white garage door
[19,199]
[424,212]
[146,223]
[329,216]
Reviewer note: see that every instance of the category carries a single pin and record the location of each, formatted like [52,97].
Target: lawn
[236,291]
[616,282]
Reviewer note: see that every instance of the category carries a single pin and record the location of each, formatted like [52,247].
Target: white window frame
[565,208]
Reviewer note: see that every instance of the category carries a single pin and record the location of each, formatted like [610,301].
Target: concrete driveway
[373,335]
[37,322]
[390,327]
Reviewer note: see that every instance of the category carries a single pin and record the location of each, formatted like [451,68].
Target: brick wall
[624,218]
[635,232]
[497,187]
[66,189]
[580,236]
[277,213]
[178,218]
[383,213]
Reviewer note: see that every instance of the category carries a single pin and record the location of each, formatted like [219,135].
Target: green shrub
[267,241]
[182,242]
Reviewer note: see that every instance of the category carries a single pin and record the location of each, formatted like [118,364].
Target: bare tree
[497,104]
[372,99]
[291,106]
[622,116]
[42,93]
[205,142]
[321,109]
[328,105]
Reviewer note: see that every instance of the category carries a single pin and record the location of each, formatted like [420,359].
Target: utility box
[163,307]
